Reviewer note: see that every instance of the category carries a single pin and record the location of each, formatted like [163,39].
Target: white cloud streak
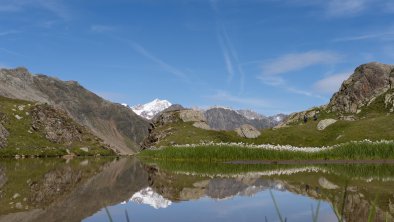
[101,28]
[297,61]
[331,84]
[10,32]
[56,7]
[231,59]
[339,8]
[165,66]
[10,52]
[381,35]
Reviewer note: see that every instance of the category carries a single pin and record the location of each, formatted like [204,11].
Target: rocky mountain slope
[117,125]
[32,129]
[151,109]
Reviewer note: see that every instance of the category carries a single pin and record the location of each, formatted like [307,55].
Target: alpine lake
[128,189]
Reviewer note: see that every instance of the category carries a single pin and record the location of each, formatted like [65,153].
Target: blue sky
[267,55]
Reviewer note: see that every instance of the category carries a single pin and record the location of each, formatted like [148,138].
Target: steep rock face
[389,101]
[119,126]
[368,81]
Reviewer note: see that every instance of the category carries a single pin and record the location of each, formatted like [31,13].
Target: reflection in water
[125,189]
[150,197]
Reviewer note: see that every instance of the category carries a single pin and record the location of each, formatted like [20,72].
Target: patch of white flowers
[283,147]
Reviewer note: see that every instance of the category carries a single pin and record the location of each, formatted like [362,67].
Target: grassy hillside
[374,123]
[24,140]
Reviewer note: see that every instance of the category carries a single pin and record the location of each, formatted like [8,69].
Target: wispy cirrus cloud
[273,71]
[230,54]
[164,65]
[10,52]
[387,35]
[345,8]
[8,32]
[339,8]
[331,83]
[223,96]
[102,28]
[56,7]
[297,61]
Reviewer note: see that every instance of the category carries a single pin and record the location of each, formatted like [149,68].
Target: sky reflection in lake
[240,208]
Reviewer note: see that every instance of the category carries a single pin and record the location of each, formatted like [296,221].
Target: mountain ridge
[119,126]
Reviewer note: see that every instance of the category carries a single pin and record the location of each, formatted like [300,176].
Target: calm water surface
[130,190]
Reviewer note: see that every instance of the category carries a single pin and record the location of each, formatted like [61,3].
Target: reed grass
[348,151]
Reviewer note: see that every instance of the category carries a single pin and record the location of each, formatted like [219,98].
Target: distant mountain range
[218,117]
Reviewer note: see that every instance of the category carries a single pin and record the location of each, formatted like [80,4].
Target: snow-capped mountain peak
[149,110]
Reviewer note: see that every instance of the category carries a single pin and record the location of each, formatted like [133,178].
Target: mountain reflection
[90,189]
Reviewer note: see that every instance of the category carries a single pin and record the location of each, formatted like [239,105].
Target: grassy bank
[348,151]
[52,152]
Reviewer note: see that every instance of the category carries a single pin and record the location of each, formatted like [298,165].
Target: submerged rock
[327,184]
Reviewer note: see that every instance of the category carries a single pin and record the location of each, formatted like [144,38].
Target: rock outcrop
[389,101]
[323,124]
[248,131]
[3,136]
[3,177]
[366,83]
[189,115]
[117,125]
[57,126]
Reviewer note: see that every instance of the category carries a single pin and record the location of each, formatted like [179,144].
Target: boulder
[325,123]
[202,125]
[248,131]
[3,136]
